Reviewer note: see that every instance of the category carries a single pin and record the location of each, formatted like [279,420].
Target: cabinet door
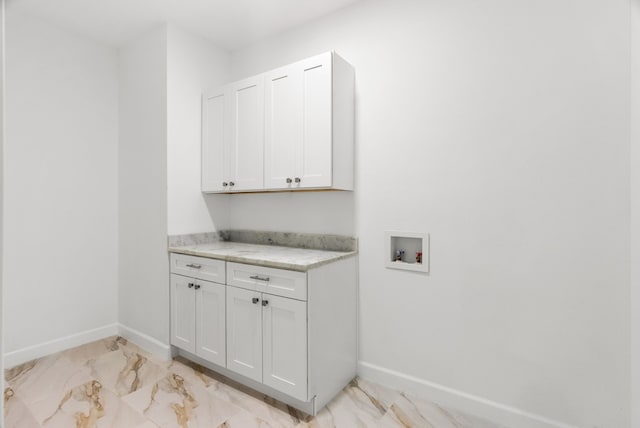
[183,314]
[246,145]
[298,125]
[314,151]
[285,345]
[244,333]
[210,322]
[215,129]
[283,125]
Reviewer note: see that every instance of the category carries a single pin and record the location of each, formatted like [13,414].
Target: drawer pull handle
[190,285]
[259,278]
[195,266]
[255,300]
[197,286]
[265,302]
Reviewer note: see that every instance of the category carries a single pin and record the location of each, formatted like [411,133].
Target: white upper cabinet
[294,126]
[298,125]
[233,136]
[214,135]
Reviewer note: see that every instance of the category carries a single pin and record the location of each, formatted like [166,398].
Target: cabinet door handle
[231,183]
[190,285]
[259,278]
[255,300]
[195,266]
[265,302]
[225,184]
[298,180]
[289,180]
[197,286]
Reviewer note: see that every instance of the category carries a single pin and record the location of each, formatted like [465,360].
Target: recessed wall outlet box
[407,250]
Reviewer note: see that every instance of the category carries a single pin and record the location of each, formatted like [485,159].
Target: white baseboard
[146,342]
[449,397]
[29,353]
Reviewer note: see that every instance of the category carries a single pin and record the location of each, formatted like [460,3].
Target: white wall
[2,73]
[193,64]
[60,185]
[142,187]
[635,213]
[501,127]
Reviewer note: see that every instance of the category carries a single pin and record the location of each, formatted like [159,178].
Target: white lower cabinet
[286,333]
[267,340]
[183,313]
[284,349]
[210,322]
[244,339]
[198,317]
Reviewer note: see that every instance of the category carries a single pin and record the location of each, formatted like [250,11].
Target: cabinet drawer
[198,267]
[279,282]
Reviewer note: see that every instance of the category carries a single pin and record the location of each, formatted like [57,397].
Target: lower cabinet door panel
[211,322]
[285,345]
[183,319]
[244,333]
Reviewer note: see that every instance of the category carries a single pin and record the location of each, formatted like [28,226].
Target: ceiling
[230,24]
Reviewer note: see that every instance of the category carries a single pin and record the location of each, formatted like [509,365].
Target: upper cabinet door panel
[213,140]
[283,125]
[314,151]
[247,134]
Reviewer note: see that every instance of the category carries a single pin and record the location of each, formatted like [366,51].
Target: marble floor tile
[274,415]
[16,412]
[176,401]
[193,373]
[245,420]
[432,411]
[87,406]
[46,377]
[353,408]
[147,424]
[125,370]
[89,351]
[114,383]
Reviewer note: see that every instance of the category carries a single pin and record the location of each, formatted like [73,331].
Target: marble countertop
[298,259]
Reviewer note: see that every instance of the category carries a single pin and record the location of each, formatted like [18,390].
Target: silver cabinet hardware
[231,184]
[265,302]
[288,180]
[195,266]
[197,286]
[260,278]
[225,184]
[298,180]
[190,285]
[255,300]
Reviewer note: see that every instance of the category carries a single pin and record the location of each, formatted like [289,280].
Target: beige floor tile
[81,354]
[125,370]
[16,413]
[245,420]
[46,377]
[114,383]
[174,401]
[87,406]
